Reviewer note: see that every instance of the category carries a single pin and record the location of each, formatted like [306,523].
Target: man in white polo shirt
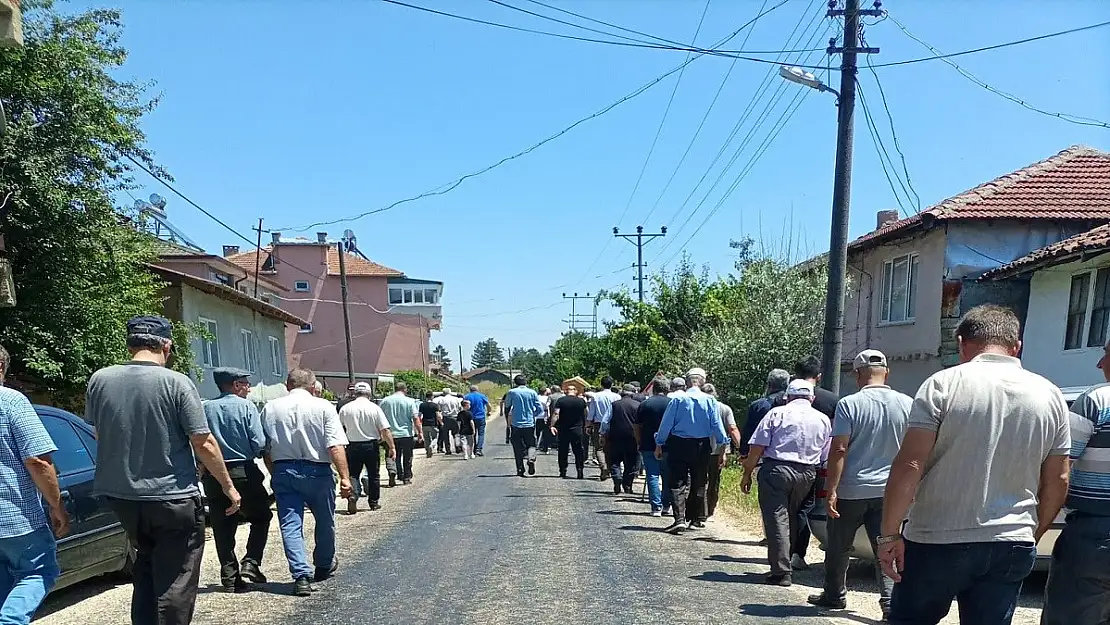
[366,428]
[305,438]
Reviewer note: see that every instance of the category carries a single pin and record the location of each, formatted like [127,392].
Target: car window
[89,441]
[72,456]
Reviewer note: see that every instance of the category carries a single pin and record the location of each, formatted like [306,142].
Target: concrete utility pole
[833,339]
[638,240]
[341,248]
[582,322]
[257,257]
[462,369]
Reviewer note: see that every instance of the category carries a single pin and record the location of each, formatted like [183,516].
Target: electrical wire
[894,135]
[884,156]
[586,28]
[603,23]
[1068,117]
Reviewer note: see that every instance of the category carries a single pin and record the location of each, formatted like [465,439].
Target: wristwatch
[886,540]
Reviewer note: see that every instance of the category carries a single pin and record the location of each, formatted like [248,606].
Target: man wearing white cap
[366,428]
[449,405]
[792,440]
[867,433]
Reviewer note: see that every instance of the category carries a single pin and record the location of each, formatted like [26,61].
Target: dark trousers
[524,445]
[713,486]
[782,489]
[688,466]
[366,455]
[984,579]
[405,446]
[447,433]
[842,534]
[542,435]
[799,545]
[1078,588]
[624,457]
[479,434]
[255,509]
[571,439]
[168,537]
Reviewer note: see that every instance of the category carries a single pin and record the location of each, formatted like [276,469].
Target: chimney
[321,237]
[276,237]
[230,250]
[885,217]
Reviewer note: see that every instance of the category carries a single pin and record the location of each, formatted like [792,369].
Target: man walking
[691,426]
[1078,589]
[28,552]
[546,435]
[366,428]
[985,463]
[719,456]
[777,380]
[404,423]
[479,407]
[431,422]
[867,433]
[601,409]
[237,426]
[648,417]
[151,431]
[824,401]
[449,407]
[792,440]
[524,406]
[306,439]
[619,436]
[568,419]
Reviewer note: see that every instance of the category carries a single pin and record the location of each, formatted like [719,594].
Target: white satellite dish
[158,201]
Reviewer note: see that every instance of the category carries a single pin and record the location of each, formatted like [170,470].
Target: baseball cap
[629,388]
[447,390]
[227,375]
[362,387]
[698,371]
[679,381]
[800,388]
[150,324]
[869,358]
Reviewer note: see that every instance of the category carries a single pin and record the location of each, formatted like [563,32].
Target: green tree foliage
[487,354]
[442,356]
[77,262]
[418,383]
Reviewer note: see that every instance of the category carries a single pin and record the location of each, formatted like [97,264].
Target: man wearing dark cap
[235,423]
[149,424]
[618,432]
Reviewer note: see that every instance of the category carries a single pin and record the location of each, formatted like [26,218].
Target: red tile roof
[356,265]
[1074,184]
[1094,240]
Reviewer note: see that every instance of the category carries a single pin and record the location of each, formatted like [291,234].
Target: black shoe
[616,489]
[392,480]
[778,580]
[479,453]
[323,574]
[249,571]
[886,615]
[406,483]
[531,467]
[520,473]
[698,525]
[581,474]
[628,490]
[303,587]
[233,585]
[825,601]
[676,528]
[563,475]
[375,505]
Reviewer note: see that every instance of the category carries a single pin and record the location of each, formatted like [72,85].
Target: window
[210,344]
[418,297]
[899,294]
[301,286]
[1088,320]
[250,352]
[216,276]
[305,329]
[412,295]
[429,296]
[1100,309]
[395,295]
[408,296]
[277,356]
[72,456]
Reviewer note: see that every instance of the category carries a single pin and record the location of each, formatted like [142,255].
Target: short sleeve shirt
[22,436]
[729,421]
[362,420]
[301,426]
[874,420]
[572,412]
[399,410]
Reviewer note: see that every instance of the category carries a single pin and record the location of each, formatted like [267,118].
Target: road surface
[471,543]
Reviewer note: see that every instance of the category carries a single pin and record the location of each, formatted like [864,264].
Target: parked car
[861,547]
[96,544]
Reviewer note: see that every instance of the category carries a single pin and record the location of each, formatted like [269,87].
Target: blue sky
[302,111]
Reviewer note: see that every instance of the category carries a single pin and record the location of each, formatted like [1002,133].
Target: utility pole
[585,322]
[346,313]
[638,240]
[833,339]
[257,257]
[462,369]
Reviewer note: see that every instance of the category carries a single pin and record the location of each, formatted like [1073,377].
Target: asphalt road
[470,542]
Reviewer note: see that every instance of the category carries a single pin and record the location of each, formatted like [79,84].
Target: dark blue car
[96,543]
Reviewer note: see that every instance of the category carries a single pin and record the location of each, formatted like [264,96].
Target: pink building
[392,316]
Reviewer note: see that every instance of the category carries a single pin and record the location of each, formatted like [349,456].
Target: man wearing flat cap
[235,423]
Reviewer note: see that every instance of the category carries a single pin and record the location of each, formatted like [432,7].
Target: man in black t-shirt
[648,417]
[568,419]
[431,419]
[620,441]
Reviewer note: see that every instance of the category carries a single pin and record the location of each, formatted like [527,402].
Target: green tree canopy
[487,354]
[442,356]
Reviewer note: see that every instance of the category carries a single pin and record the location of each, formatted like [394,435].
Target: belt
[296,461]
[789,463]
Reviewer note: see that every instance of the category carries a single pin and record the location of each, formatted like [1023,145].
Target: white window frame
[276,356]
[250,351]
[886,289]
[297,286]
[210,348]
[1085,331]
[305,329]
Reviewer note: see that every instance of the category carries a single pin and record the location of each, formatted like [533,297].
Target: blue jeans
[653,470]
[28,569]
[479,433]
[298,484]
[984,579]
[1078,588]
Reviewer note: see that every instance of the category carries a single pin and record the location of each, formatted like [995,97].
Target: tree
[78,263]
[487,354]
[442,356]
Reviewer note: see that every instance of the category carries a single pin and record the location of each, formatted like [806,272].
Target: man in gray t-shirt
[149,424]
[867,432]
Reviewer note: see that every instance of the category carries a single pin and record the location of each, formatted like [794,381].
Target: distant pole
[346,312]
[461,370]
[638,240]
[257,258]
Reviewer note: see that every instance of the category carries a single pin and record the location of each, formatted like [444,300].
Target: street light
[806,79]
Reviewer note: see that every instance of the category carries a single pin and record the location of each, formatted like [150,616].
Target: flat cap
[227,375]
[150,324]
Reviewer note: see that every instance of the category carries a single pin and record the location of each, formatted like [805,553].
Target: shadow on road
[721,576]
[639,528]
[797,611]
[736,560]
[517,477]
[68,597]
[269,588]
[725,541]
[622,512]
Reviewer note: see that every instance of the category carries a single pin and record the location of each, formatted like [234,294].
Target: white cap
[363,387]
[447,390]
[869,358]
[698,371]
[800,388]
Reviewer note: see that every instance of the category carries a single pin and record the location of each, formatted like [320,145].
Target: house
[391,315]
[1069,306]
[488,374]
[912,278]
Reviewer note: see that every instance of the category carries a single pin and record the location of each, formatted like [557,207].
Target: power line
[603,23]
[884,156]
[573,25]
[893,134]
[1068,117]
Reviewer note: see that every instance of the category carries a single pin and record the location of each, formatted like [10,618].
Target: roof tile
[356,265]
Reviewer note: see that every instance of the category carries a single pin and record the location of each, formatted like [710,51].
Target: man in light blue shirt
[524,407]
[404,423]
[690,427]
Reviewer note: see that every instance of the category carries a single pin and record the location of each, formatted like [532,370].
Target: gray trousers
[1078,589]
[842,534]
[783,487]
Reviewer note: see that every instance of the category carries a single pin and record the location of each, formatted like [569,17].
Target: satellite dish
[140,205]
[349,235]
[158,201]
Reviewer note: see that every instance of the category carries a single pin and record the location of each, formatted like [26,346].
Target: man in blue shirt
[524,407]
[479,407]
[28,553]
[690,425]
[237,426]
